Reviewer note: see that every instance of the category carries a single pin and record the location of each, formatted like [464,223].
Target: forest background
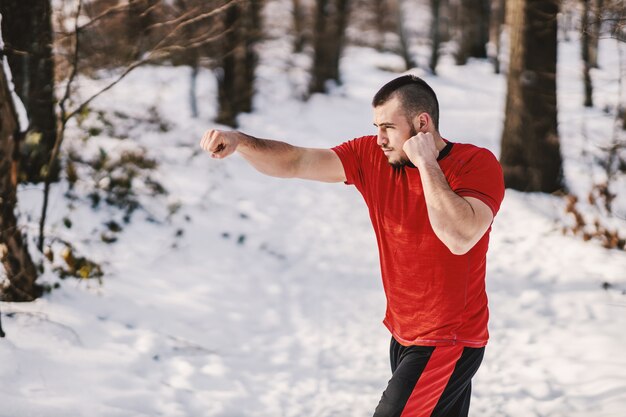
[119,239]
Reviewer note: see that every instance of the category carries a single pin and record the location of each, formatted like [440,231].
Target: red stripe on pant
[432,382]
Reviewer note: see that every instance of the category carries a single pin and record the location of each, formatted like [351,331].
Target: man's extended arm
[275,158]
[459,222]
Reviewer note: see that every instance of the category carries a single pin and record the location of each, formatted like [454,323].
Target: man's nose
[381,139]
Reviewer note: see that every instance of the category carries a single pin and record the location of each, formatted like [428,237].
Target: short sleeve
[481,177]
[351,154]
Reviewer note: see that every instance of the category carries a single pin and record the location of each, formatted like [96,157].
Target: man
[431,203]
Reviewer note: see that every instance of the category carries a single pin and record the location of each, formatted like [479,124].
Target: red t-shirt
[434,297]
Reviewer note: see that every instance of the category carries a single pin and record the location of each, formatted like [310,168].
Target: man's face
[393,130]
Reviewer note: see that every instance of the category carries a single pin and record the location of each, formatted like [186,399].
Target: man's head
[403,107]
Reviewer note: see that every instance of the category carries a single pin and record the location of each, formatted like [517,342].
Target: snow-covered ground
[261,297]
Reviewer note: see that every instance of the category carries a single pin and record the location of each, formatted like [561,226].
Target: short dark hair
[415,95]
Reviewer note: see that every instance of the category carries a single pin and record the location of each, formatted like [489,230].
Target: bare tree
[238,60]
[28,35]
[299,25]
[445,20]
[495,31]
[141,17]
[380,10]
[473,30]
[585,30]
[594,31]
[168,40]
[14,255]
[403,35]
[530,154]
[2,334]
[331,20]
[191,56]
[435,34]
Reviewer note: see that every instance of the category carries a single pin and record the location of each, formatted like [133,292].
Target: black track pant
[429,381]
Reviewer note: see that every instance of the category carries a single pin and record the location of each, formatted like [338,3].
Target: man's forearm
[275,158]
[450,215]
[270,157]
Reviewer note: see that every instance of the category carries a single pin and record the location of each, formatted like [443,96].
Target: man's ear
[422,122]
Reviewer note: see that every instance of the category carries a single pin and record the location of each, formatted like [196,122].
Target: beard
[403,161]
[399,164]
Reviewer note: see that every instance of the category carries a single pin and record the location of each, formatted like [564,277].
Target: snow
[22,117]
[262,297]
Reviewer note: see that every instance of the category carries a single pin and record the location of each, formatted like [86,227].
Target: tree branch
[60,129]
[111,10]
[196,19]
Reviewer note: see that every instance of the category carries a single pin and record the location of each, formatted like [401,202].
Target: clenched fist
[220,143]
[421,148]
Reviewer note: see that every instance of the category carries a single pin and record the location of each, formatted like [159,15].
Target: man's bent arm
[459,222]
[275,158]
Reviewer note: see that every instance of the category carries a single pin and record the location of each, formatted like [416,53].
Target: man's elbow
[461,241]
[459,249]
[460,245]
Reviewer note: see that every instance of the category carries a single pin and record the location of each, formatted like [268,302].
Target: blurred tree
[253,34]
[228,96]
[94,43]
[238,60]
[594,31]
[331,19]
[403,35]
[141,16]
[299,26]
[530,154]
[114,33]
[28,36]
[473,30]
[191,55]
[18,265]
[380,9]
[435,34]
[495,32]
[2,334]
[585,43]
[445,20]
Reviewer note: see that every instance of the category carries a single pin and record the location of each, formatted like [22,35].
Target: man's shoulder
[470,148]
[365,140]
[367,137]
[357,145]
[466,152]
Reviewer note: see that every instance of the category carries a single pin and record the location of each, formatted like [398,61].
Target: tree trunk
[585,45]
[235,77]
[298,26]
[434,35]
[18,265]
[381,11]
[405,51]
[193,88]
[446,20]
[596,23]
[497,20]
[28,30]
[330,24]
[252,33]
[2,334]
[226,92]
[474,30]
[140,18]
[530,154]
